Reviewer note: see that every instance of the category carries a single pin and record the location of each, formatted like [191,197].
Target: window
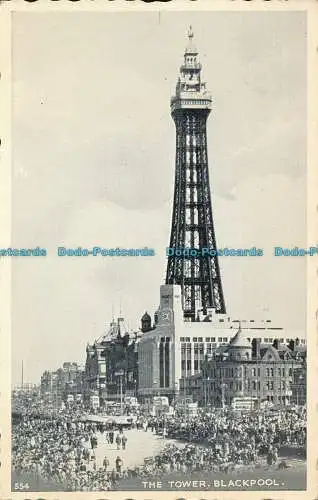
[272,372]
[200,339]
[196,365]
[224,339]
[219,339]
[188,339]
[267,372]
[221,320]
[266,341]
[183,365]
[207,339]
[254,385]
[254,372]
[181,339]
[195,339]
[212,339]
[271,385]
[188,365]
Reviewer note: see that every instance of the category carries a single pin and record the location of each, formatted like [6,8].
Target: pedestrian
[111,436]
[105,463]
[118,441]
[124,441]
[119,464]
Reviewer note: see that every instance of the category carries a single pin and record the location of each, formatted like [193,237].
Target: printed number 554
[21,486]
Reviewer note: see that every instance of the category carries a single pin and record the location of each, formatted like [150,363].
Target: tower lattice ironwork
[192,221]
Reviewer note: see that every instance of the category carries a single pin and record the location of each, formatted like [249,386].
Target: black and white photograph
[159,251]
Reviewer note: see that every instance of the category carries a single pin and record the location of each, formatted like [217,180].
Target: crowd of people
[61,449]
[62,452]
[222,442]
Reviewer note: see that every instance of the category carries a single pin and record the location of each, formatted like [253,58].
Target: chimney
[200,315]
[292,345]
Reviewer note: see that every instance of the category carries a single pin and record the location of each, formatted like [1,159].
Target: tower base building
[174,349]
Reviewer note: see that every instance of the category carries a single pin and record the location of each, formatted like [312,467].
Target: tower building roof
[240,341]
[191,91]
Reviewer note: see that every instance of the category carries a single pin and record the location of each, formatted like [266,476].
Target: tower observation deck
[192,222]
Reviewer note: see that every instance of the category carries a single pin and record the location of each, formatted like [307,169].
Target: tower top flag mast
[196,270]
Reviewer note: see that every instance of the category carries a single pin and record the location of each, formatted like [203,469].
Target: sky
[93,165]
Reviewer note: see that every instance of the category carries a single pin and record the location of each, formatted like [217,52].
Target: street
[140,444]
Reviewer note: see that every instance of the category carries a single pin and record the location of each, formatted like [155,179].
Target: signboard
[160,401]
[243,403]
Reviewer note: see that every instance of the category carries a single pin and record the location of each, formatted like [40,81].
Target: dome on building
[240,341]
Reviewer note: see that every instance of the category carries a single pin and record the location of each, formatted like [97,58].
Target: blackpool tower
[192,221]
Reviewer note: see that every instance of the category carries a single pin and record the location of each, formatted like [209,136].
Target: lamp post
[223,387]
[208,391]
[120,375]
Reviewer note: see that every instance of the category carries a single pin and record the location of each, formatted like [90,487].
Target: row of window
[231,372]
[201,339]
[266,340]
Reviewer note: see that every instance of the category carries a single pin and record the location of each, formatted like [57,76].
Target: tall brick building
[245,369]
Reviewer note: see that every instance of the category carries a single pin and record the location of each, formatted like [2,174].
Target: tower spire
[192,225]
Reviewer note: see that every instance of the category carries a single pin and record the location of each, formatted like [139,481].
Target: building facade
[174,349]
[57,385]
[246,370]
[111,368]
